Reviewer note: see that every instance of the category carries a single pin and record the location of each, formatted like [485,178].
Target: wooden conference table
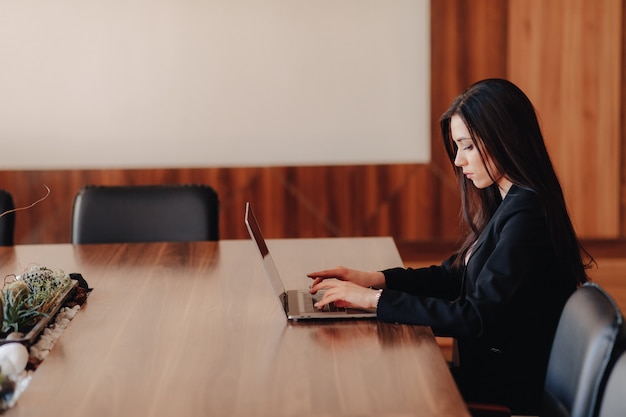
[194,329]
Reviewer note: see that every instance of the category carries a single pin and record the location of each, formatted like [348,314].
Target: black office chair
[145,213]
[590,332]
[613,403]
[7,221]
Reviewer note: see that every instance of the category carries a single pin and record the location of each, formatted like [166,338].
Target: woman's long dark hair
[503,126]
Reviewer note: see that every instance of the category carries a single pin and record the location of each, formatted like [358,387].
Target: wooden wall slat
[468,43]
[623,128]
[566,55]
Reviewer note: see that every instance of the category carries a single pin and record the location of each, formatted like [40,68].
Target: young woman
[501,294]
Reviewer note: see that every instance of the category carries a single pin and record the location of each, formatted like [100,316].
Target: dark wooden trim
[438,250]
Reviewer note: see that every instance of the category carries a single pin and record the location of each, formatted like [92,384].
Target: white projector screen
[190,83]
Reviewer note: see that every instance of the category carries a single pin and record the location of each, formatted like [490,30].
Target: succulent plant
[18,310]
[29,297]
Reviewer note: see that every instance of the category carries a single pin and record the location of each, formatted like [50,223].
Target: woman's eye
[468,148]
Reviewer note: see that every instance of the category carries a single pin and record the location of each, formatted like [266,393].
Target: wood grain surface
[194,329]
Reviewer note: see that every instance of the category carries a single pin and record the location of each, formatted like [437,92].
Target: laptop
[298,304]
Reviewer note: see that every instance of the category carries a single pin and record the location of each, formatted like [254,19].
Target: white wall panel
[145,83]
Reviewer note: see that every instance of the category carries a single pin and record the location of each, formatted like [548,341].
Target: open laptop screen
[268,262]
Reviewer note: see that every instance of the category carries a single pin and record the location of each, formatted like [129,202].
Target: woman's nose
[459,160]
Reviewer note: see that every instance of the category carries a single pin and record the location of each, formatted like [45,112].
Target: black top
[503,308]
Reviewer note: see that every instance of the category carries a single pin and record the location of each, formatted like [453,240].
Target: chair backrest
[613,402]
[145,213]
[589,331]
[7,222]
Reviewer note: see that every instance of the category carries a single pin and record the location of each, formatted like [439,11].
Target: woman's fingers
[327,286]
[342,293]
[330,296]
[316,281]
[362,278]
[337,273]
[318,284]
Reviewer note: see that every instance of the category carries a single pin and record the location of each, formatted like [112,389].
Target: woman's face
[468,158]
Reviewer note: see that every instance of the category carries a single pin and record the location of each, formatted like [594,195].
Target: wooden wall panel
[567,56]
[623,128]
[468,43]
[290,201]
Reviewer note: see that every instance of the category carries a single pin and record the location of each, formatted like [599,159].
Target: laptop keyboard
[309,300]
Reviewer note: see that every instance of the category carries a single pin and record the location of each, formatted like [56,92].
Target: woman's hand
[362,278]
[345,294]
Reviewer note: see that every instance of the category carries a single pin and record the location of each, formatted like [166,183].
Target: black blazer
[503,308]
